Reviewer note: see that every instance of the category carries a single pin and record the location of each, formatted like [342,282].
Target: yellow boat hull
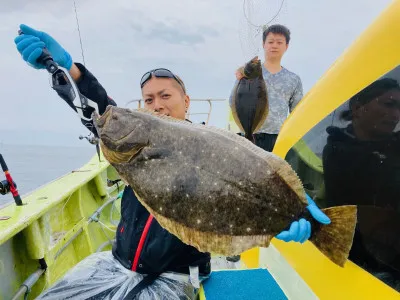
[54,223]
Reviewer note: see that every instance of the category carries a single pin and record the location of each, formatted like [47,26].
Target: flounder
[212,188]
[249,101]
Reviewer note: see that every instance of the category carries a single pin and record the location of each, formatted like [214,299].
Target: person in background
[362,167]
[284,87]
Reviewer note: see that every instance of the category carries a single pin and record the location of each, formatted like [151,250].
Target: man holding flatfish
[192,189]
[214,189]
[284,87]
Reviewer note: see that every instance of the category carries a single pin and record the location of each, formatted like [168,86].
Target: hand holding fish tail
[300,231]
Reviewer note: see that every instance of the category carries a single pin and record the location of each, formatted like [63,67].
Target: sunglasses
[160,73]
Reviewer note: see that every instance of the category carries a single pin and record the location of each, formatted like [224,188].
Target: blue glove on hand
[31,43]
[300,231]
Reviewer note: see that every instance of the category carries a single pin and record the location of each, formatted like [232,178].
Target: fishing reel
[110,182]
[8,185]
[5,187]
[94,141]
[91,139]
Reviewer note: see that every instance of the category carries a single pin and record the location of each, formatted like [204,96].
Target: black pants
[265,141]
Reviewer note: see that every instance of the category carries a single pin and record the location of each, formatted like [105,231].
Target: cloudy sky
[203,41]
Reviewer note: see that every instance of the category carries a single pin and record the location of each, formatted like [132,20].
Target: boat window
[353,157]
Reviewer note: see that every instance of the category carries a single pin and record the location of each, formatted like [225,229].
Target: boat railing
[189,113]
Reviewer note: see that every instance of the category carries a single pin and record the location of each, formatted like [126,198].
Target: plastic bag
[101,276]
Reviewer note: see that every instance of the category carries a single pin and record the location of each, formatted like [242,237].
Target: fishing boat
[74,216]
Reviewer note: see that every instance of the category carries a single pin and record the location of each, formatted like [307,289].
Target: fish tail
[250,137]
[335,239]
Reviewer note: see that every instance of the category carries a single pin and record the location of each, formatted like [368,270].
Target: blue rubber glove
[300,231]
[31,43]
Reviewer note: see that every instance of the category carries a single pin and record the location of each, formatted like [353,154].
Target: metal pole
[28,283]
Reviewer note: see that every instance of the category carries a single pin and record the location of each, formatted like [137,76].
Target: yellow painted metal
[202,296]
[374,53]
[251,258]
[34,241]
[329,281]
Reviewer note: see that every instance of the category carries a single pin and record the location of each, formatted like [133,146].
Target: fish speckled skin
[249,101]
[211,188]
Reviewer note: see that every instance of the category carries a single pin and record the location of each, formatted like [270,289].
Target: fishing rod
[65,86]
[9,185]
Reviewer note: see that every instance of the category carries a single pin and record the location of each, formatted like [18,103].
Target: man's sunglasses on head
[160,73]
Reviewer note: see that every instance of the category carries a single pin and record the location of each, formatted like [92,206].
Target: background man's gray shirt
[284,91]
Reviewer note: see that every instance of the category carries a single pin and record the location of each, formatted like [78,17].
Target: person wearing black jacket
[362,167]
[161,250]
[142,245]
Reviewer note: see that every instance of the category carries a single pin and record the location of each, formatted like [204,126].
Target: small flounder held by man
[249,101]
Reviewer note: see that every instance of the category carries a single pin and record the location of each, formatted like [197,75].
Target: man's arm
[91,88]
[30,44]
[75,73]
[297,95]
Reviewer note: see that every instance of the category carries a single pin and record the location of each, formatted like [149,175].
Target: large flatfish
[212,188]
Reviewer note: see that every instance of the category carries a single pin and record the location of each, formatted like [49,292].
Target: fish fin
[250,137]
[221,244]
[289,175]
[233,108]
[153,113]
[335,239]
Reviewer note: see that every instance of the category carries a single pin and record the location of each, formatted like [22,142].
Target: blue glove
[31,43]
[300,231]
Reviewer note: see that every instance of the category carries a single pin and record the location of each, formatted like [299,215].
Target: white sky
[203,41]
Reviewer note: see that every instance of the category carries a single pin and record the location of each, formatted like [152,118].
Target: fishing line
[106,227]
[105,234]
[114,207]
[252,34]
[62,212]
[79,32]
[260,26]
